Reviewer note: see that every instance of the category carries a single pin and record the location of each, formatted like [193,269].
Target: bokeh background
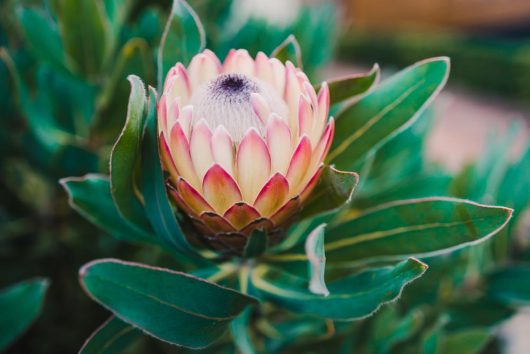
[60,113]
[488,95]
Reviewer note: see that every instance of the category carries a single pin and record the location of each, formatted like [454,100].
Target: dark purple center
[233,85]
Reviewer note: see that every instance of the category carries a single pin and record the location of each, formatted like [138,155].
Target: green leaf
[314,249]
[510,285]
[116,13]
[112,337]
[44,131]
[350,86]
[514,185]
[286,330]
[351,298]
[135,56]
[421,227]
[183,37]
[90,196]
[125,157]
[157,206]
[334,189]
[417,186]
[483,312]
[431,339]
[172,306]
[20,304]
[298,233]
[241,333]
[470,341]
[389,328]
[85,32]
[42,37]
[365,125]
[256,244]
[290,50]
[73,160]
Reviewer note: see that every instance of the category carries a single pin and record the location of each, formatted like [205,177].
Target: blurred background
[63,98]
[488,93]
[488,43]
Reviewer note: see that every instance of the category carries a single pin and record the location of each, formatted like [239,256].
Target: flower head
[243,142]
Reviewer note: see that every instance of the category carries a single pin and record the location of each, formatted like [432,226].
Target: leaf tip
[423,266]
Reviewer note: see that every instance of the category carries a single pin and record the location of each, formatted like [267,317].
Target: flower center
[234,84]
[226,100]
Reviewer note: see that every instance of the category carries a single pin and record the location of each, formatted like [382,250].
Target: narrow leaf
[469,341]
[20,304]
[42,37]
[351,298]
[334,189]
[125,157]
[314,249]
[112,337]
[510,285]
[290,50]
[256,244]
[421,227]
[85,32]
[172,306]
[483,312]
[350,86]
[157,206]
[183,37]
[90,196]
[365,125]
[241,333]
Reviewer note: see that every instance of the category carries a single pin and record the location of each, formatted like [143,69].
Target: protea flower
[243,142]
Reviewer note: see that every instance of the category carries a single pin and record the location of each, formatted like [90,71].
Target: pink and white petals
[253,165]
[278,138]
[231,180]
[181,156]
[201,153]
[223,150]
[220,189]
[273,195]
[300,162]
[203,68]
[240,62]
[192,198]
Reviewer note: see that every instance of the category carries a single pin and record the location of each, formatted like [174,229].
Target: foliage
[64,93]
[346,275]
[473,55]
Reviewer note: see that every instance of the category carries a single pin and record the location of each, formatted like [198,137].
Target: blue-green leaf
[183,37]
[241,333]
[90,196]
[86,34]
[290,50]
[427,226]
[314,249]
[350,86]
[510,285]
[157,206]
[125,157]
[172,306]
[20,304]
[392,106]
[256,244]
[351,298]
[42,37]
[112,337]
[334,189]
